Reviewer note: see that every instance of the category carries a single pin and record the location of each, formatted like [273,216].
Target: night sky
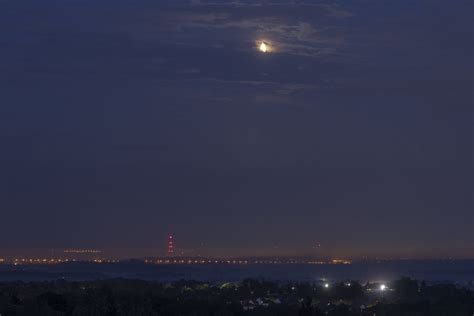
[124,121]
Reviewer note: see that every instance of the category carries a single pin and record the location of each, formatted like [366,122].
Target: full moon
[263,47]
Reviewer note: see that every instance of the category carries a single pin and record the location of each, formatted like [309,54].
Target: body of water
[460,272]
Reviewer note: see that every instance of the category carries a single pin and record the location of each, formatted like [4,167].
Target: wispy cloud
[309,34]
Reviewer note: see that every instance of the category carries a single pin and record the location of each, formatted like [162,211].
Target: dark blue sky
[121,121]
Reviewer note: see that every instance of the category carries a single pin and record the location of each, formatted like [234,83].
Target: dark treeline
[249,297]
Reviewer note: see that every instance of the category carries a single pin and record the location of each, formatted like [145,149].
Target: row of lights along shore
[214,261]
[170,258]
[25,261]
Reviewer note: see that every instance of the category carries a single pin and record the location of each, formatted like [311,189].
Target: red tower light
[170,250]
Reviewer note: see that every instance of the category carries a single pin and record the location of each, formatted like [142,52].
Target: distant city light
[94,251]
[383,287]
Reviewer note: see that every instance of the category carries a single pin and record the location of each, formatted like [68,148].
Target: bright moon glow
[263,47]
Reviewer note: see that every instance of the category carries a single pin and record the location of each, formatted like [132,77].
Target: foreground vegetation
[249,297]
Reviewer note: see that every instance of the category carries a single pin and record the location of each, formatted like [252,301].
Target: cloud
[299,29]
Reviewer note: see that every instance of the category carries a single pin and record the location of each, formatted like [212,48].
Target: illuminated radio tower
[170,246]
